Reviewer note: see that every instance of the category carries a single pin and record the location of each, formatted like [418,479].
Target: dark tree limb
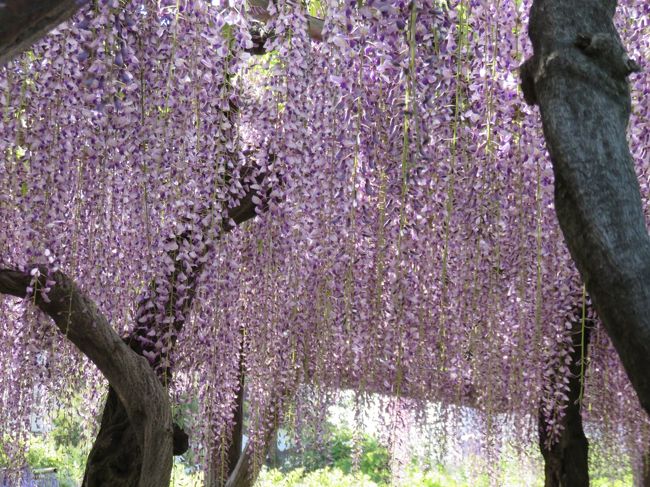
[566,459]
[251,460]
[235,450]
[249,464]
[130,376]
[221,469]
[179,302]
[237,436]
[23,22]
[577,76]
[114,456]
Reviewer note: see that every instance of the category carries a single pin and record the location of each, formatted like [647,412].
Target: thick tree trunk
[115,435]
[578,77]
[114,459]
[565,463]
[566,460]
[122,466]
[144,401]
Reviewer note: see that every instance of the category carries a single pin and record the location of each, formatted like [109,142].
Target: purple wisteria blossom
[405,241]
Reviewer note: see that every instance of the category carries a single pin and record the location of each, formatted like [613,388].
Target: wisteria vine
[406,242]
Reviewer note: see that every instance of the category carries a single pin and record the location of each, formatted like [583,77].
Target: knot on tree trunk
[608,52]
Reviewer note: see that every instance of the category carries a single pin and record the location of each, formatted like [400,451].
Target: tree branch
[179,294]
[129,374]
[23,22]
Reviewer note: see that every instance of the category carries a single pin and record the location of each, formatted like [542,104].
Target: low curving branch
[128,373]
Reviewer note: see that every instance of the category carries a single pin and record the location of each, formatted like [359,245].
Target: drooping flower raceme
[406,242]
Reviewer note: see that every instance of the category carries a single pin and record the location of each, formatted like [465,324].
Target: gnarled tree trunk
[578,77]
[123,466]
[144,400]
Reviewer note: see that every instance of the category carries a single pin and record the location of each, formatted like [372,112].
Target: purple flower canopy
[408,243]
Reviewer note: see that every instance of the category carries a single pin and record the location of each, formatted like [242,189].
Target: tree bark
[114,460]
[566,460]
[23,22]
[578,77]
[144,400]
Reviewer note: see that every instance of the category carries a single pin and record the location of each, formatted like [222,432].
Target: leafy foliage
[348,454]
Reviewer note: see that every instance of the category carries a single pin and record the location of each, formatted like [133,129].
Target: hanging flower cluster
[406,242]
